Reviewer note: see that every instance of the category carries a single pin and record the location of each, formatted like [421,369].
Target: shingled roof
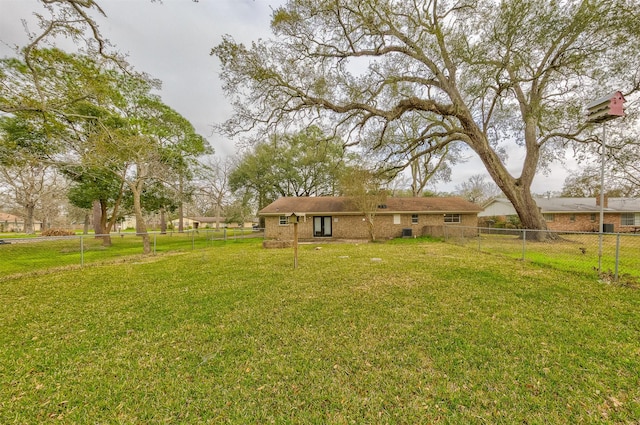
[573,205]
[343,205]
[4,217]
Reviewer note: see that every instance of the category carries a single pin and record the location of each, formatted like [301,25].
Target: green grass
[427,333]
[29,256]
[577,253]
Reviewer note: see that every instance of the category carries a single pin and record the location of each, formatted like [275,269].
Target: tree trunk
[180,209]
[517,190]
[87,222]
[415,187]
[114,214]
[217,212]
[141,227]
[371,227]
[163,222]
[96,211]
[28,219]
[104,230]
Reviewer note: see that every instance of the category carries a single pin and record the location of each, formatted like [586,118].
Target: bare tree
[26,185]
[212,191]
[477,189]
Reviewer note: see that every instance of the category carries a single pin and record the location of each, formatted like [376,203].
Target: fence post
[81,251]
[193,240]
[615,277]
[224,233]
[155,243]
[524,243]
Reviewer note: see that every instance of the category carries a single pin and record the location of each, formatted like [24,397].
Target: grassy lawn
[411,332]
[32,254]
[572,252]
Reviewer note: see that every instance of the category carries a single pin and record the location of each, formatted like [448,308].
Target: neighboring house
[13,223]
[212,223]
[335,217]
[202,222]
[187,223]
[576,214]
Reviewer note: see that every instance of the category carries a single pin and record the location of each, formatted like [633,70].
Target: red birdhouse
[606,108]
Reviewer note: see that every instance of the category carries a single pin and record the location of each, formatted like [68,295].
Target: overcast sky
[171,40]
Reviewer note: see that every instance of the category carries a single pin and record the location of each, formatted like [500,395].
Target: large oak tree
[508,76]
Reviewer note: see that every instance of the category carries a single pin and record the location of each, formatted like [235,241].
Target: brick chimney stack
[606,201]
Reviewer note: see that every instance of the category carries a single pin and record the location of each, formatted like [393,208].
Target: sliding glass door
[322,226]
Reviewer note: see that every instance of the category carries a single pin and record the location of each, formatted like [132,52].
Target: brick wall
[354,227]
[580,222]
[584,222]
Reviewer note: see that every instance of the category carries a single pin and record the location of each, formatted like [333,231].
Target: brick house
[13,223]
[621,215]
[337,218]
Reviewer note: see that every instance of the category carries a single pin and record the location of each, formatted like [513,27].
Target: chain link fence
[25,255]
[611,256]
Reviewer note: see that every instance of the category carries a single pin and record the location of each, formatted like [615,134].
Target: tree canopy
[103,126]
[504,77]
[304,163]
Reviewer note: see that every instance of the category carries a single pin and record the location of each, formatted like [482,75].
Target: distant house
[212,223]
[335,217]
[576,214]
[202,222]
[13,223]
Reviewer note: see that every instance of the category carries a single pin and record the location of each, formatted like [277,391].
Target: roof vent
[382,206]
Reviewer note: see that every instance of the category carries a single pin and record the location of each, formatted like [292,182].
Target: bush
[58,232]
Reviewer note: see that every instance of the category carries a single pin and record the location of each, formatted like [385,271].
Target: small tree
[364,187]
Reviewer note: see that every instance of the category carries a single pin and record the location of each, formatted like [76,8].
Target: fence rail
[22,255]
[610,255]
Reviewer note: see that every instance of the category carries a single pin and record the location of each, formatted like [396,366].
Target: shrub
[57,232]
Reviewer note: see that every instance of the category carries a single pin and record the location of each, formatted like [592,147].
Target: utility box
[406,233]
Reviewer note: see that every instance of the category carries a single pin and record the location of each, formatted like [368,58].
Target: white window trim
[452,218]
[635,218]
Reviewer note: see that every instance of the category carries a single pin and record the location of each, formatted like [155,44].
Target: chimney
[606,201]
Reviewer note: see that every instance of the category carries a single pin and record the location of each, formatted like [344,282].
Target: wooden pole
[295,244]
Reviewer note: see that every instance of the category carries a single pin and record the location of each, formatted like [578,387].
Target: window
[572,218]
[452,218]
[396,219]
[548,217]
[593,217]
[414,218]
[284,220]
[630,219]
